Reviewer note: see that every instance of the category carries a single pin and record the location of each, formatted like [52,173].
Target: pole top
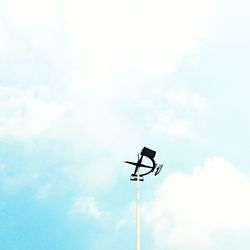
[154,168]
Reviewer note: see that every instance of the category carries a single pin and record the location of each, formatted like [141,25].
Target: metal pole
[138,242]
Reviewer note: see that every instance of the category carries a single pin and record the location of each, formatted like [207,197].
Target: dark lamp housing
[148,153]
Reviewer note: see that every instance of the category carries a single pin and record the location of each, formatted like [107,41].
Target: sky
[85,85]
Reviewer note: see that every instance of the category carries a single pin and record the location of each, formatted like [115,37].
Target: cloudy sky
[85,85]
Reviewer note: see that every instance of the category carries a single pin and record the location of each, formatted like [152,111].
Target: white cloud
[88,207]
[4,39]
[190,210]
[28,113]
[107,41]
[150,37]
[166,123]
[32,14]
[114,47]
[186,98]
[176,121]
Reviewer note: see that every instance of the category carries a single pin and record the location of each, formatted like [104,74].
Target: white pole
[138,242]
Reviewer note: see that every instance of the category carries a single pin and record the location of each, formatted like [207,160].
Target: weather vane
[138,176]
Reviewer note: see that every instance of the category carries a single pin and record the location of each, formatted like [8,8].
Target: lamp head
[154,168]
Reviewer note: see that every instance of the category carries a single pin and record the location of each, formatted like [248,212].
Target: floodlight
[148,153]
[158,168]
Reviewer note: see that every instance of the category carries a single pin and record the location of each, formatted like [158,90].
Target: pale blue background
[100,112]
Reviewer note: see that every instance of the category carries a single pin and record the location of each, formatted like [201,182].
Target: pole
[138,242]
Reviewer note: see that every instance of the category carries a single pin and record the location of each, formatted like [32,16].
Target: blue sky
[85,85]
